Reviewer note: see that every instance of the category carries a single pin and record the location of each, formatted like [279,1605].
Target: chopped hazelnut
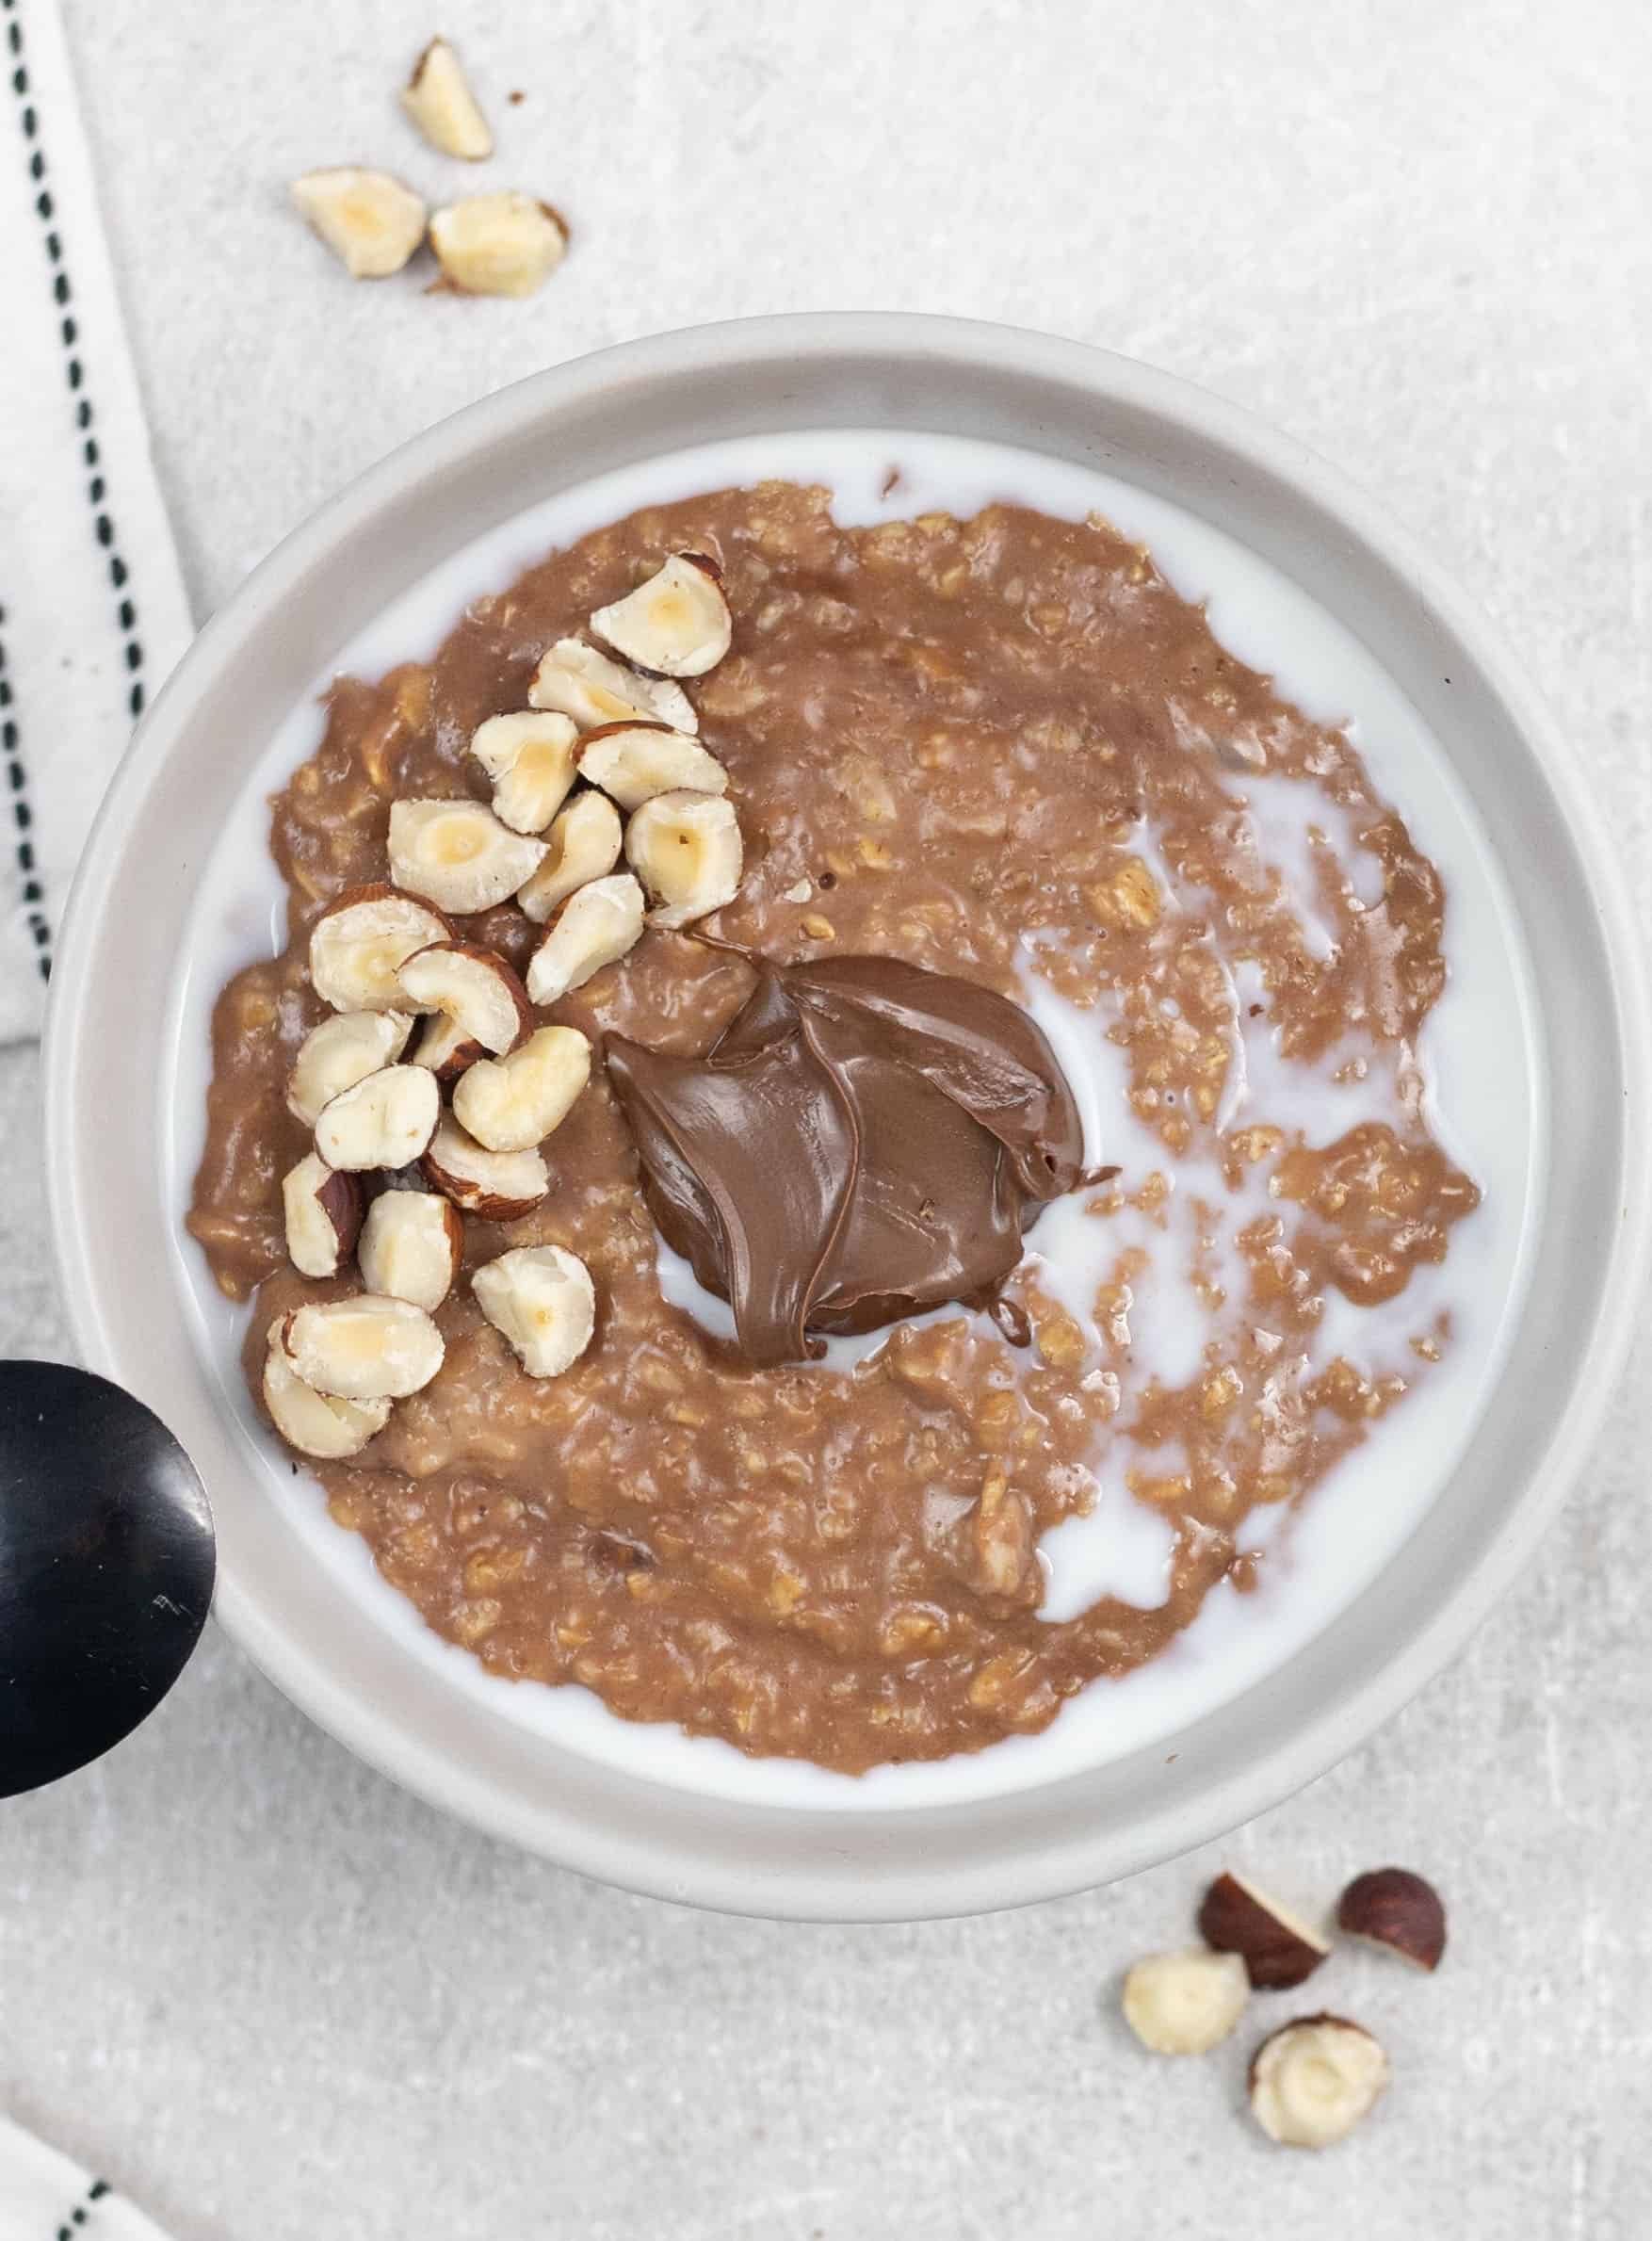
[439,100]
[1185,2003]
[498,244]
[370,221]
[1313,2080]
[1278,1949]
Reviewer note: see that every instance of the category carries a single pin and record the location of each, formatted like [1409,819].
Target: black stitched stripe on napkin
[103,521]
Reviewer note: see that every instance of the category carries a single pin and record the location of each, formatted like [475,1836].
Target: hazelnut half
[1278,1949]
[439,100]
[475,988]
[513,1104]
[633,762]
[364,1349]
[410,1247]
[687,851]
[1313,2080]
[530,758]
[317,1424]
[323,1215]
[1394,1908]
[1185,2003]
[340,1052]
[385,1120]
[498,244]
[583,843]
[359,943]
[595,927]
[445,1049]
[457,854]
[495,1186]
[594,689]
[371,221]
[677,623]
[540,1298]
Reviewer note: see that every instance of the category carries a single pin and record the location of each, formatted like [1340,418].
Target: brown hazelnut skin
[342,1201]
[1277,1953]
[1392,1906]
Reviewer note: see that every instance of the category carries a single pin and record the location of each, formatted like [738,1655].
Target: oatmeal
[1002,750]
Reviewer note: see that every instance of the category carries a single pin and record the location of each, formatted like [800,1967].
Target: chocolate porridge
[1000,750]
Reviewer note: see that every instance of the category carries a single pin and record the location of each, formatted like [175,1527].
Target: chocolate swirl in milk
[865,1139]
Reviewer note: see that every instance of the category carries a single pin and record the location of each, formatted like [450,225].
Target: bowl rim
[819,1878]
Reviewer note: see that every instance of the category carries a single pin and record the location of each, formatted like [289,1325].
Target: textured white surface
[275,1998]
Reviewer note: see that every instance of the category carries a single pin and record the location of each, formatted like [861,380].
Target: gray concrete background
[275,1998]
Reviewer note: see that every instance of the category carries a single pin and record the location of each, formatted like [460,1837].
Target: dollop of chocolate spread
[865,1139]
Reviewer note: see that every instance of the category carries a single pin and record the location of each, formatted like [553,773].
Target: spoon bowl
[107,1568]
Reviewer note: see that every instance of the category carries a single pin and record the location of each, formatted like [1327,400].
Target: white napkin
[92,611]
[44,2197]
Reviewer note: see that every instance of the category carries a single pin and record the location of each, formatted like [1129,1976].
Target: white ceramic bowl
[106,1050]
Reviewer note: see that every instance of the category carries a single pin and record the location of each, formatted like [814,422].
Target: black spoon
[106,1565]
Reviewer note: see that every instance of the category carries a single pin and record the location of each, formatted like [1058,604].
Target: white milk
[1483,1092]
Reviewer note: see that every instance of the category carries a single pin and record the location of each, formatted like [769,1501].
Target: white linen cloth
[92,609]
[44,2197]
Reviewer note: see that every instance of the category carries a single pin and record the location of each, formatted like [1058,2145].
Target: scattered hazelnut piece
[457,855]
[363,1349]
[323,1211]
[336,1055]
[316,1423]
[532,759]
[595,927]
[495,1186]
[677,623]
[1278,1949]
[1394,1908]
[583,844]
[578,681]
[1313,2081]
[439,100]
[359,943]
[1185,2003]
[370,221]
[685,848]
[386,1120]
[475,988]
[541,1299]
[511,1104]
[410,1247]
[498,244]
[633,762]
